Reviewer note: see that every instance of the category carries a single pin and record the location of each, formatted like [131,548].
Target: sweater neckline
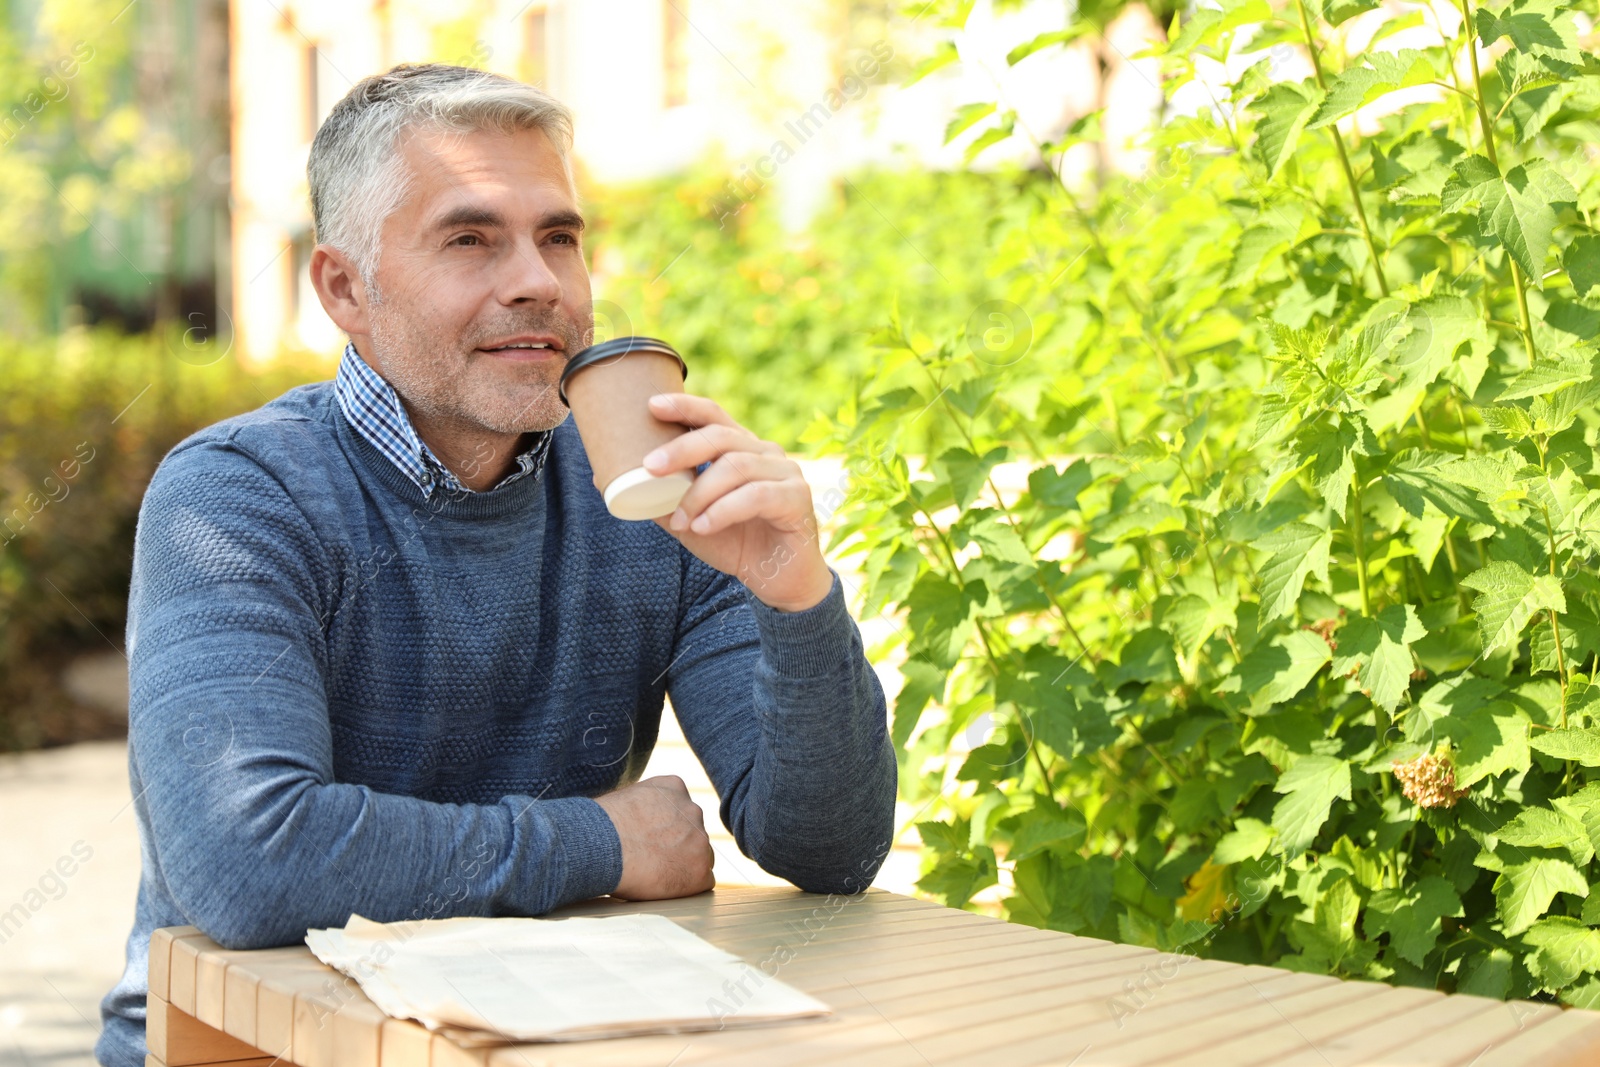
[503,501]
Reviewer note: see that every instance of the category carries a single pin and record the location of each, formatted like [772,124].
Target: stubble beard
[445,379]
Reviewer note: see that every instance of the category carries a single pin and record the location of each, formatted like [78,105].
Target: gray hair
[356,173]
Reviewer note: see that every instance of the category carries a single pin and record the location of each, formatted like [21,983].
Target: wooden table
[910,982]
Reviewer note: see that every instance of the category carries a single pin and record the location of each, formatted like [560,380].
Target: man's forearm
[257,847]
[799,750]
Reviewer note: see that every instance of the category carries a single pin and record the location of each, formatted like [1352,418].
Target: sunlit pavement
[63,917]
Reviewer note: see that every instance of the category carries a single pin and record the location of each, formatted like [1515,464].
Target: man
[389,652]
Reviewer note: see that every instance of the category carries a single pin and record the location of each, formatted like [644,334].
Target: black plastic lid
[615,348]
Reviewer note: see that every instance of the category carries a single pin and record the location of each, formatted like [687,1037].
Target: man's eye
[466,239]
[564,238]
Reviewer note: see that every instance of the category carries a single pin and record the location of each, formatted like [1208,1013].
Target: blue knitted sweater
[349,698]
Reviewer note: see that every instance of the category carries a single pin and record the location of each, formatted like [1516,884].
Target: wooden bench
[911,983]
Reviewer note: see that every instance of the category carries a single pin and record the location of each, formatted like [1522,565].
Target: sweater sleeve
[228,724]
[790,723]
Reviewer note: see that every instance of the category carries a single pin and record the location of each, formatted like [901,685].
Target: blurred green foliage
[774,325]
[84,419]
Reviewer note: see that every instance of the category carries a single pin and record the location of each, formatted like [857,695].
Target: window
[675,52]
[536,48]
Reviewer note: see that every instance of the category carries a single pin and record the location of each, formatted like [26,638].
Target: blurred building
[788,94]
[123,133]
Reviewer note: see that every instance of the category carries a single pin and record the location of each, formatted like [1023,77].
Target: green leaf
[1564,949]
[943,836]
[1415,478]
[1582,263]
[1379,649]
[1508,596]
[989,137]
[1546,828]
[943,56]
[1491,740]
[1298,550]
[957,878]
[1247,840]
[1062,703]
[1333,453]
[1487,974]
[1555,412]
[1549,375]
[1284,109]
[1491,474]
[1584,805]
[1058,490]
[1584,995]
[1579,745]
[1256,246]
[1411,916]
[966,117]
[1340,11]
[998,539]
[922,682]
[1147,657]
[1046,827]
[1428,342]
[967,473]
[1517,210]
[1541,27]
[1330,938]
[1275,671]
[1311,786]
[1192,619]
[1194,27]
[1512,422]
[1045,40]
[1524,890]
[1533,108]
[939,617]
[1381,74]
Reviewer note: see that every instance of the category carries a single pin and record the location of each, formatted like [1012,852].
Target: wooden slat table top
[911,982]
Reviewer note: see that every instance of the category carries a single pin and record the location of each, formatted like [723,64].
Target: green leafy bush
[1286,650]
[84,419]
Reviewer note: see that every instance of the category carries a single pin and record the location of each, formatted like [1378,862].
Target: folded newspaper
[489,981]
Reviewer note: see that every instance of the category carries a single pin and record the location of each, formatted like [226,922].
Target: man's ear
[340,288]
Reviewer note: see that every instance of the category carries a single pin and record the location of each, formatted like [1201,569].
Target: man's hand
[749,514]
[665,850]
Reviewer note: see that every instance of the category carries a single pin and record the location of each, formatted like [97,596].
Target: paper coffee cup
[608,387]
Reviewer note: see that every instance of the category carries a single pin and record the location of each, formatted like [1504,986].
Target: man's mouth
[527,347]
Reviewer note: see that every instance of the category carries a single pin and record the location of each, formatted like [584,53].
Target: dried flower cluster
[1429,781]
[1324,628]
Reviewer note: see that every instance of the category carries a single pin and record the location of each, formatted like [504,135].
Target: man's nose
[527,278]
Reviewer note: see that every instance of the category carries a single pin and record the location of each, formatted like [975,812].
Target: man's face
[483,259]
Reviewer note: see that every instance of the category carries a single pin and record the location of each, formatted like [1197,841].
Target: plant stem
[1561,666]
[1422,425]
[1043,770]
[1358,543]
[1015,521]
[1344,156]
[1494,157]
[1455,566]
[1555,627]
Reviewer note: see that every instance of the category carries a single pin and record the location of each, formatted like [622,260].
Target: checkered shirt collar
[374,409]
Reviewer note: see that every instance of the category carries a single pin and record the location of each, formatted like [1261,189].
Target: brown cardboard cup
[608,387]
